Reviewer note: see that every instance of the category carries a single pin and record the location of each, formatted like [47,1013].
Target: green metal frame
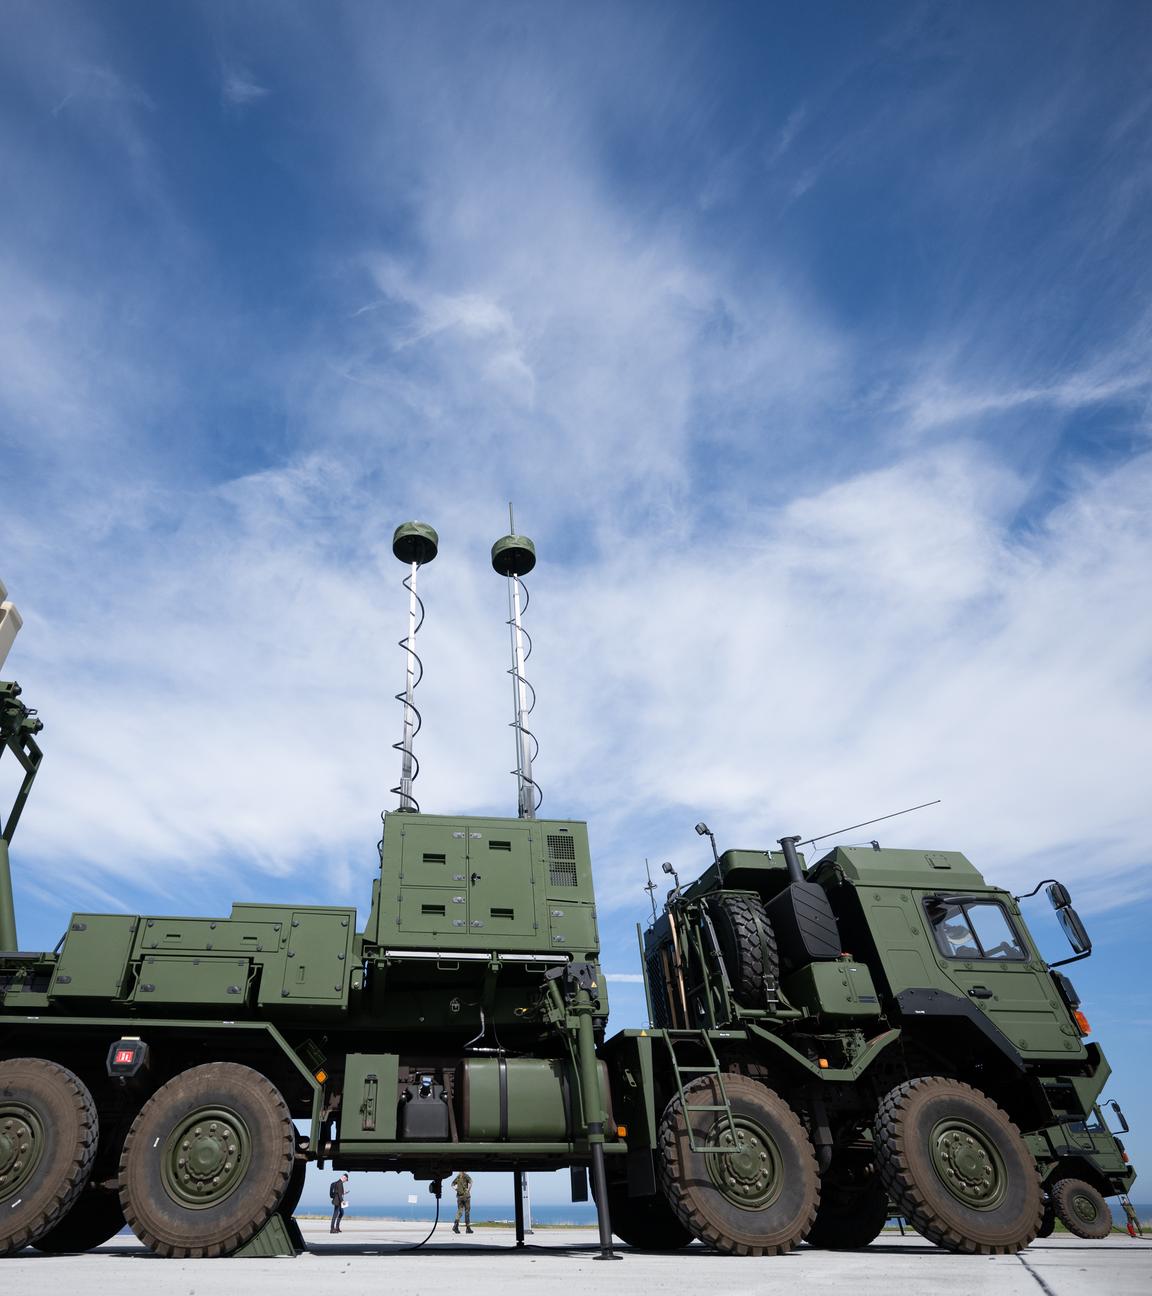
[189,1027]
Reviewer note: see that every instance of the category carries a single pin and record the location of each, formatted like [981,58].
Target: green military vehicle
[153,1068]
[1093,1166]
[877,1032]
[875,1035]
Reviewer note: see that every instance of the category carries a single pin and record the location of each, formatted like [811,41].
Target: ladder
[680,1070]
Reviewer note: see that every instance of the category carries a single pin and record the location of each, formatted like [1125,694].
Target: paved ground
[367,1260]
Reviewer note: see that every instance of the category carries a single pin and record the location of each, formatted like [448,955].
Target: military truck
[877,1034]
[153,1068]
[878,1031]
[1093,1166]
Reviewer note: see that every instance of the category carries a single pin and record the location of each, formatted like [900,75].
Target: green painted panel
[507,872]
[901,942]
[95,958]
[433,854]
[502,884]
[318,963]
[208,935]
[432,910]
[572,927]
[909,868]
[368,1107]
[177,979]
[835,990]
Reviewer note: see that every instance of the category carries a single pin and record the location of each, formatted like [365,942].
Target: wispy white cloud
[239,87]
[765,595]
[100,84]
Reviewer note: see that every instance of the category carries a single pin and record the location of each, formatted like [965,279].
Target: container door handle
[980,992]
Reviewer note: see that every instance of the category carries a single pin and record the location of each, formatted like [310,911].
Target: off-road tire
[1081,1209]
[925,1121]
[49,1111]
[748,945]
[771,1226]
[646,1223]
[295,1189]
[157,1190]
[850,1216]
[95,1217]
[1047,1222]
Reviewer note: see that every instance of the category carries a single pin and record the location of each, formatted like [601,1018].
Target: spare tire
[747,944]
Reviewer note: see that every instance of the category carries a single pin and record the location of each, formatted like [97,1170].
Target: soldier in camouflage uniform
[463,1185]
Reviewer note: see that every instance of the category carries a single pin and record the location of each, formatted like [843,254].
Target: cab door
[982,950]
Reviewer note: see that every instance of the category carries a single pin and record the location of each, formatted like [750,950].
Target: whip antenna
[414,543]
[651,889]
[514,556]
[894,815]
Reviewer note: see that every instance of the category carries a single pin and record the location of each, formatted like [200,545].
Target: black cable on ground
[416,1246]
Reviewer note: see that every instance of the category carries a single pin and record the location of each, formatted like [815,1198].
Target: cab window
[974,929]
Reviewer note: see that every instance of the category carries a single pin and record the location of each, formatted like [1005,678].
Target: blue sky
[811,343]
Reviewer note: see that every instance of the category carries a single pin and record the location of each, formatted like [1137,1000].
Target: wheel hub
[750,1174]
[21,1143]
[206,1157]
[1085,1208]
[968,1164]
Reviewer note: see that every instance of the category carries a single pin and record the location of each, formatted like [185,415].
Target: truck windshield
[974,929]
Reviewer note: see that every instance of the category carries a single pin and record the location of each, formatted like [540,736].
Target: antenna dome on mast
[513,555]
[415,542]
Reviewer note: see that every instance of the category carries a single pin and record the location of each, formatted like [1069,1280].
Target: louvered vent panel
[561,860]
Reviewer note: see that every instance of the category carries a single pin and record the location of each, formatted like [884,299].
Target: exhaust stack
[514,556]
[414,543]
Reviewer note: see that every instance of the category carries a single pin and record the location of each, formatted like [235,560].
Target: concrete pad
[372,1256]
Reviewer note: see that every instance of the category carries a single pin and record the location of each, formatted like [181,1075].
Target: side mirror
[1058,894]
[1075,930]
[1120,1117]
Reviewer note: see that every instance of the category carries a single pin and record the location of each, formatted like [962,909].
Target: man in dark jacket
[339,1194]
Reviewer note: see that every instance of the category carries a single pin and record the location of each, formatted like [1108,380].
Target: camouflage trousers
[464,1206]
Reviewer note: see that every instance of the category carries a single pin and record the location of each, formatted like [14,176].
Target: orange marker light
[1082,1023]
[621,1131]
[321,1076]
[823,1063]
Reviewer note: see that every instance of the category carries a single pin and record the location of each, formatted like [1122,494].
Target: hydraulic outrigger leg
[17,725]
[590,1086]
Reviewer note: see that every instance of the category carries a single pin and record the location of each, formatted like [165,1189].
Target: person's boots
[467,1228]
[456,1227]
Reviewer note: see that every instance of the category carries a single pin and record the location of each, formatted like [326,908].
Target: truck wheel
[48,1136]
[758,1199]
[646,1223]
[207,1161]
[295,1188]
[957,1168]
[96,1216]
[748,945]
[1081,1209]
[1047,1222]
[851,1214]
